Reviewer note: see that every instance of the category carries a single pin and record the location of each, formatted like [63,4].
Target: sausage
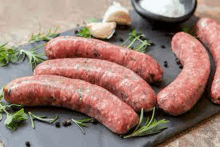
[208,31]
[70,46]
[117,79]
[74,94]
[183,93]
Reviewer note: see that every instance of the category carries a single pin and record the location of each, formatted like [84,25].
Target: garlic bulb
[103,30]
[117,13]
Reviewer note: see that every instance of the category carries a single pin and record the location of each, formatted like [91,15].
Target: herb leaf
[2,107]
[33,57]
[14,54]
[44,36]
[84,32]
[41,118]
[151,126]
[82,123]
[7,54]
[13,120]
[136,38]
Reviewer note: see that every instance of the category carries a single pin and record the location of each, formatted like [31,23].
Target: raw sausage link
[183,93]
[74,94]
[208,31]
[117,79]
[70,46]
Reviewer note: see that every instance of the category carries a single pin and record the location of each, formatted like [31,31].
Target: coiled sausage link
[183,93]
[70,46]
[208,31]
[74,94]
[117,79]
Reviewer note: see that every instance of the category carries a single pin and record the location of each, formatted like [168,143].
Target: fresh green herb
[44,36]
[3,106]
[189,30]
[13,120]
[82,123]
[41,118]
[151,126]
[33,57]
[14,54]
[136,38]
[84,32]
[7,54]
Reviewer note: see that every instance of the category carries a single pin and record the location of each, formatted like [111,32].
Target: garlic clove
[117,13]
[103,30]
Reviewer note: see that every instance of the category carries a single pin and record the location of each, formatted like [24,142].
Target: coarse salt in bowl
[166,11]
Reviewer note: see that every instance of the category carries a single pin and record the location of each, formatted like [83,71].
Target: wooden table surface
[20,18]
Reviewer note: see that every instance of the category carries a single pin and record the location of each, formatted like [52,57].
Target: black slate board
[46,135]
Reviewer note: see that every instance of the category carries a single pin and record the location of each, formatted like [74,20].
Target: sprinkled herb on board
[13,120]
[11,54]
[84,32]
[82,123]
[151,126]
[44,36]
[41,118]
[189,30]
[137,41]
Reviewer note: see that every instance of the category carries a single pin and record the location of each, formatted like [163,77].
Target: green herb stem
[77,123]
[43,36]
[82,123]
[135,37]
[150,127]
[41,118]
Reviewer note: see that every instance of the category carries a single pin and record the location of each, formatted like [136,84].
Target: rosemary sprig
[136,38]
[82,123]
[33,57]
[41,118]
[44,36]
[151,126]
